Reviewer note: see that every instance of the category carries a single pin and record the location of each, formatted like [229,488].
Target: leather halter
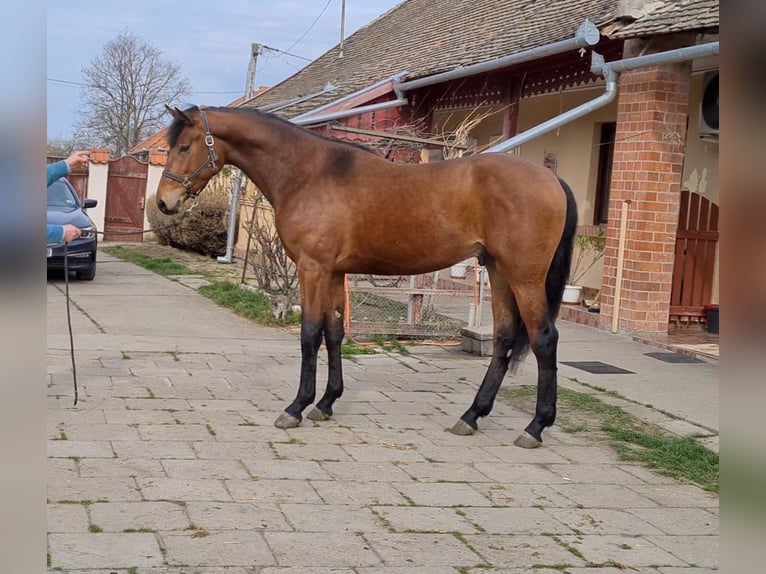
[210,162]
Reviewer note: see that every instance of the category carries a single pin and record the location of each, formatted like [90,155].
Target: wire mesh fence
[434,306]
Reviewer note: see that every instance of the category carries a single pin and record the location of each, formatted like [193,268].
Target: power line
[82,84]
[287,53]
[310,27]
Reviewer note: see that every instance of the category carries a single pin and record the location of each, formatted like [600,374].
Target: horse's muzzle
[167,209]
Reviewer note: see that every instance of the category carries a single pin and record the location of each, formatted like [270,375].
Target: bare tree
[62,147]
[126,89]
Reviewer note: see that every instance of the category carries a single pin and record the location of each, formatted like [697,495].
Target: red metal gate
[696,241]
[125,192]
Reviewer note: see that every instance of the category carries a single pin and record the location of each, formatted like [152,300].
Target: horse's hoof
[526,440]
[317,415]
[286,421]
[462,428]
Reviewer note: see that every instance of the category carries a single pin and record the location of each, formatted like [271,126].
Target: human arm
[55,170]
[62,233]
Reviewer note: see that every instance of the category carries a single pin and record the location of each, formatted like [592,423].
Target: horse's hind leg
[543,336]
[333,337]
[506,327]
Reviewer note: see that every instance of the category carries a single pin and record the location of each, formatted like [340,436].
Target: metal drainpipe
[307,121]
[610,71]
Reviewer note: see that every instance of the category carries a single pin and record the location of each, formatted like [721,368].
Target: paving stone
[229,548]
[630,551]
[522,495]
[318,452]
[183,489]
[516,473]
[157,404]
[604,521]
[678,495]
[109,432]
[71,518]
[425,519]
[366,471]
[287,469]
[515,521]
[357,493]
[272,491]
[507,550]
[698,550]
[405,570]
[120,467]
[175,432]
[442,472]
[100,488]
[205,469]
[228,450]
[121,516]
[77,551]
[384,452]
[331,518]
[311,570]
[79,448]
[590,474]
[604,496]
[679,521]
[442,494]
[237,516]
[419,550]
[514,454]
[156,449]
[133,417]
[336,549]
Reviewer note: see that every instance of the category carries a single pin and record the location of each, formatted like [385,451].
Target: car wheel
[88,274]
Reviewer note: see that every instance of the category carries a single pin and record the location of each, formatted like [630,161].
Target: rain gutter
[587,35]
[610,71]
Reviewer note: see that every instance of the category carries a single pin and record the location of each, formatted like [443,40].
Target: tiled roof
[158,141]
[674,16]
[424,37]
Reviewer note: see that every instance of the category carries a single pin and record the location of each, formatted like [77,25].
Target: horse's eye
[184,148]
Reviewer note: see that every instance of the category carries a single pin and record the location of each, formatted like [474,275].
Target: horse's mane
[177,125]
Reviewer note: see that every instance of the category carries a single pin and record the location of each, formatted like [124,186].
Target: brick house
[646,145]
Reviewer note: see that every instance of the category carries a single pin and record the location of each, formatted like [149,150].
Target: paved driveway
[170,462]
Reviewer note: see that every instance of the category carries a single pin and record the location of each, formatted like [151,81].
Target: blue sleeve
[55,234]
[56,170]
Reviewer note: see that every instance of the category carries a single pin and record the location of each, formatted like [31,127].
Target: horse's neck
[269,154]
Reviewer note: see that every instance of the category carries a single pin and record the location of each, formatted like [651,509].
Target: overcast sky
[209,40]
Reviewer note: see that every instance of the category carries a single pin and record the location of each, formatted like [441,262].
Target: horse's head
[192,159]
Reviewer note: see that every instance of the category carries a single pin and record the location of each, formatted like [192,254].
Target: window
[605,157]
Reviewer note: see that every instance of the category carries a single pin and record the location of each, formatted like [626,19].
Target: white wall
[97,177]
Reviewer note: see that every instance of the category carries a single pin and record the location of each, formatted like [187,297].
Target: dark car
[64,207]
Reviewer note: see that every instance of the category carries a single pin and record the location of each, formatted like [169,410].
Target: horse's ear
[178,114]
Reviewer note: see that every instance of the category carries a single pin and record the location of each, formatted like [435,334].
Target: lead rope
[69,319]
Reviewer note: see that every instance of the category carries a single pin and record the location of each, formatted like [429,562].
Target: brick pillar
[652,110]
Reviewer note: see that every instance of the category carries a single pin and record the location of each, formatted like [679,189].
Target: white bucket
[572,294]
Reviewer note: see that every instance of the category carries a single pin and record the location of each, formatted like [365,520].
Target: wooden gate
[696,242]
[125,193]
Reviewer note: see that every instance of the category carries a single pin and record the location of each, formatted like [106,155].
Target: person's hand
[71,233]
[78,160]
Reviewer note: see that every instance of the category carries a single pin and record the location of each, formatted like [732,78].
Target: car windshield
[60,195]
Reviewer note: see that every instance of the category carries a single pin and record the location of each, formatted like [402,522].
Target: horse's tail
[558,274]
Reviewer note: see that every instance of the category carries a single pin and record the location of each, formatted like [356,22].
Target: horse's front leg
[334,333]
[314,297]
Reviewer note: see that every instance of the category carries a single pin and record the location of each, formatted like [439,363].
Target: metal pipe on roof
[587,35]
[667,57]
[311,120]
[610,71]
[352,95]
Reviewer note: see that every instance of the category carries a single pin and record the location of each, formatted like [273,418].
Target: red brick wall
[652,112]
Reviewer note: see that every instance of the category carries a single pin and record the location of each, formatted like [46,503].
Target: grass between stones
[683,458]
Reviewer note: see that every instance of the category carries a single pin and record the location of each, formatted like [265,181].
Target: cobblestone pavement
[170,462]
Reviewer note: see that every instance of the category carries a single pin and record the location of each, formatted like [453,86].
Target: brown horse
[341,208]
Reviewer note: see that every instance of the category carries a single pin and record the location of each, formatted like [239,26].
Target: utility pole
[342,27]
[239,180]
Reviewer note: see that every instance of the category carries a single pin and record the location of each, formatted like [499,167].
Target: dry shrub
[204,229]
